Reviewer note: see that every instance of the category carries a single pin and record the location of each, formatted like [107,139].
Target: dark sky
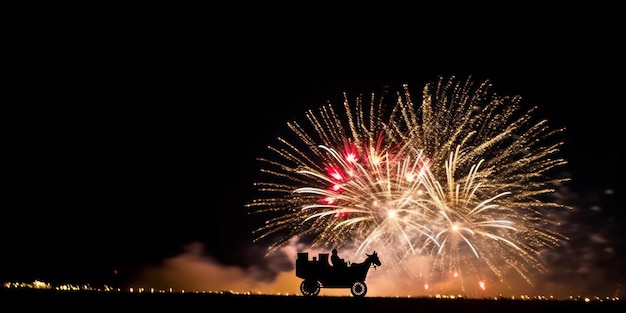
[121,150]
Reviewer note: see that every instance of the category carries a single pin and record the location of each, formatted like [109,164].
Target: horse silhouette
[319,274]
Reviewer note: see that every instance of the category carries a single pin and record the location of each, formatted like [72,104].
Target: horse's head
[373,258]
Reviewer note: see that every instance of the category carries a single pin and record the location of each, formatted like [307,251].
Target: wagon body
[319,269]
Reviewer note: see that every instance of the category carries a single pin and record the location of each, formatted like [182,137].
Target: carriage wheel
[310,287]
[358,289]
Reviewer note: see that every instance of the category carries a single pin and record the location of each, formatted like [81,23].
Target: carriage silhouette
[318,273]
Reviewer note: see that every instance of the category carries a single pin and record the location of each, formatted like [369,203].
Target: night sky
[125,153]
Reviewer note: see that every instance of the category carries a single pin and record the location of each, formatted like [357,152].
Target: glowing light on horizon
[464,179]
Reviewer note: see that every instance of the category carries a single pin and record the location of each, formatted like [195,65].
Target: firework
[464,178]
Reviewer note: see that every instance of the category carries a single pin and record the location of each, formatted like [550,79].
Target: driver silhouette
[336,260]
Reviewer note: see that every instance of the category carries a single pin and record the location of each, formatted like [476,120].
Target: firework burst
[463,179]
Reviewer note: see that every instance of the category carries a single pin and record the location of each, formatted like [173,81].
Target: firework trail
[464,179]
